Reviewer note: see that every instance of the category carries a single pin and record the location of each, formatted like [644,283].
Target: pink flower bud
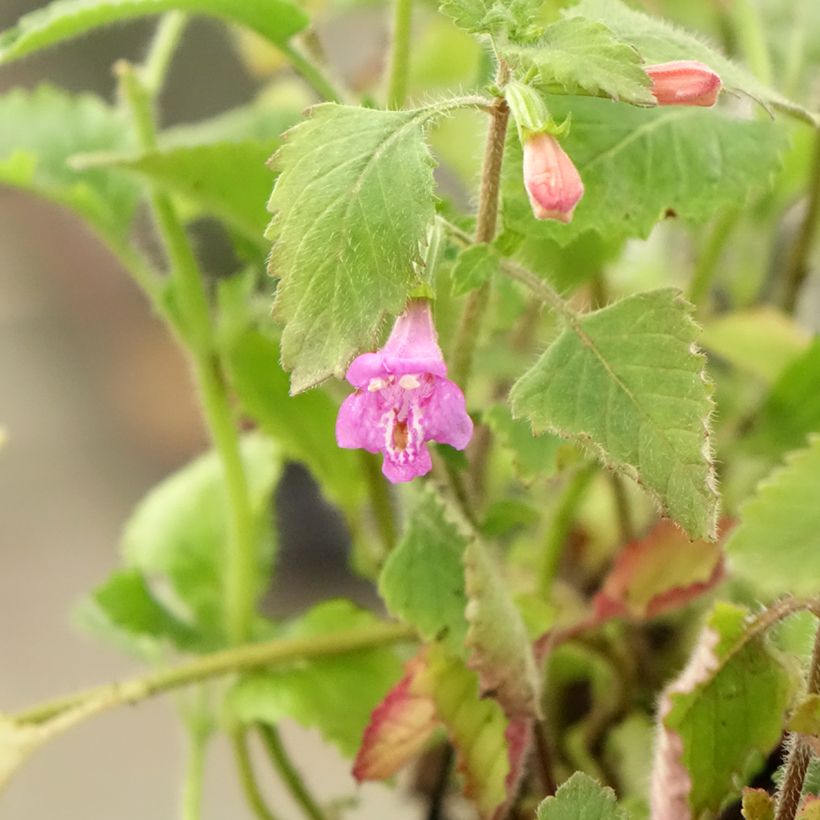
[552,181]
[684,82]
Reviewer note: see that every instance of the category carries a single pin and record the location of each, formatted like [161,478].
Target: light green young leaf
[502,19]
[640,165]
[126,613]
[757,804]
[179,531]
[334,694]
[303,425]
[423,578]
[583,57]
[228,180]
[806,717]
[776,547]
[42,129]
[659,42]
[732,717]
[276,20]
[351,208]
[499,647]
[628,383]
[473,267]
[581,798]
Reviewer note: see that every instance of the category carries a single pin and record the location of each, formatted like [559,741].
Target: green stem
[163,48]
[381,502]
[194,771]
[622,507]
[706,266]
[797,267]
[206,667]
[400,53]
[747,23]
[562,519]
[288,772]
[311,72]
[247,778]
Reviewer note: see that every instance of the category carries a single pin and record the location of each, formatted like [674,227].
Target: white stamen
[376,384]
[409,382]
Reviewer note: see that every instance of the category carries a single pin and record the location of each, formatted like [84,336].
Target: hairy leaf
[776,547]
[725,712]
[662,571]
[497,640]
[423,578]
[627,382]
[179,531]
[334,694]
[277,20]
[639,165]
[512,19]
[400,725]
[351,208]
[757,804]
[806,717]
[42,129]
[474,266]
[581,798]
[584,57]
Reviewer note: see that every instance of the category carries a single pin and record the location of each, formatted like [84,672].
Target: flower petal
[398,472]
[359,423]
[445,416]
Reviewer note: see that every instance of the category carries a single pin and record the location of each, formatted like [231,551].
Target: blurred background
[97,406]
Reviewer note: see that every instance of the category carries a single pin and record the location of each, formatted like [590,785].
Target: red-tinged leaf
[658,573]
[810,810]
[757,804]
[400,725]
[499,647]
[491,749]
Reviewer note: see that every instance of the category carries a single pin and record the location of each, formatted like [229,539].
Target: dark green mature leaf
[423,579]
[334,694]
[125,612]
[42,129]
[638,165]
[776,547]
[351,208]
[581,798]
[179,531]
[276,20]
[303,425]
[497,640]
[727,708]
[584,57]
[792,410]
[628,383]
[659,41]
[473,267]
[229,180]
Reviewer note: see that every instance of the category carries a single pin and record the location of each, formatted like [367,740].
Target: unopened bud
[684,82]
[552,181]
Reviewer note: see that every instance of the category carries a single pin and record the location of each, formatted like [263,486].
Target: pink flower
[404,399]
[684,82]
[552,181]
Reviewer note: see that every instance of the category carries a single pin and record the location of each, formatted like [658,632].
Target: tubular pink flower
[404,399]
[684,82]
[553,183]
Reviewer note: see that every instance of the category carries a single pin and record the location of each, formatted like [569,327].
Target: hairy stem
[399,53]
[311,72]
[800,754]
[797,267]
[247,777]
[289,773]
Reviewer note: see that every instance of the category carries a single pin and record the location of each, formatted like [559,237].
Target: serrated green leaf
[729,711]
[581,798]
[659,42]
[776,547]
[179,531]
[125,612]
[276,20]
[513,19]
[473,267]
[639,165]
[229,180]
[334,694]
[533,456]
[762,341]
[627,382]
[757,805]
[303,425]
[42,129]
[351,207]
[497,640]
[791,411]
[584,57]
[422,581]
